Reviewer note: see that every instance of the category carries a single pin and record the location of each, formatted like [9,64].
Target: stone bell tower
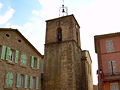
[62,61]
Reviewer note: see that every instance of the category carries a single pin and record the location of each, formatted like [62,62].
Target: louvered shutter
[114,67]
[37,79]
[7,80]
[110,67]
[8,53]
[26,78]
[32,61]
[109,46]
[30,82]
[3,52]
[38,63]
[23,59]
[11,79]
[16,56]
[18,80]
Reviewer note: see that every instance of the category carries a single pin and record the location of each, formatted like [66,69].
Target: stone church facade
[63,56]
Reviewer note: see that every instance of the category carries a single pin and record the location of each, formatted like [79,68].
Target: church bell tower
[62,58]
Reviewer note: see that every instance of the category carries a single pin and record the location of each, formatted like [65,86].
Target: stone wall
[62,66]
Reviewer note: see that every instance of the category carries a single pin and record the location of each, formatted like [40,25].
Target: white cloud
[50,9]
[1,5]
[8,15]
[35,12]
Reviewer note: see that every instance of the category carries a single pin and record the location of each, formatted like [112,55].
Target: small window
[35,62]
[77,36]
[19,40]
[59,23]
[109,46]
[33,82]
[59,34]
[112,67]
[21,81]
[11,57]
[7,35]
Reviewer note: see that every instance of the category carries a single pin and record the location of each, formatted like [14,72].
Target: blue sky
[94,16]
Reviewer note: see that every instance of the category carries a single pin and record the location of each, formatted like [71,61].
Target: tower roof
[63,18]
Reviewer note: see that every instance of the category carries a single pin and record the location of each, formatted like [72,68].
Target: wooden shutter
[37,80]
[18,80]
[38,61]
[110,67]
[23,59]
[26,77]
[30,82]
[11,79]
[3,52]
[16,56]
[7,79]
[114,67]
[8,53]
[32,61]
[109,46]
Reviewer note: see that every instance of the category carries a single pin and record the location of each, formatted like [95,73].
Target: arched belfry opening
[59,34]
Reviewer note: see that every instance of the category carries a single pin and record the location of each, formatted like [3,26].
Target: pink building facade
[107,48]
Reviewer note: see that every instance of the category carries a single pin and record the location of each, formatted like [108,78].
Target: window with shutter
[37,79]
[112,67]
[10,54]
[3,52]
[9,79]
[33,82]
[16,56]
[23,59]
[109,46]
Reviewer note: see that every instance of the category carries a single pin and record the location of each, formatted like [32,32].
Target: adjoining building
[20,62]
[87,71]
[107,47]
